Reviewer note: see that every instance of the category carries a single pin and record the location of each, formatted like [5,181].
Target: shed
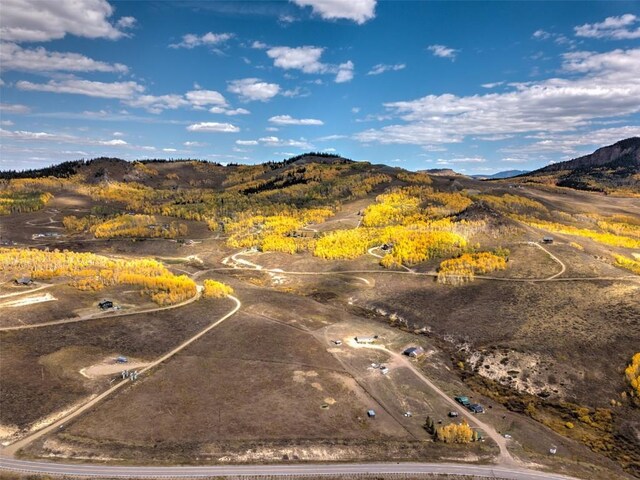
[414,351]
[24,281]
[105,304]
[365,339]
[371,413]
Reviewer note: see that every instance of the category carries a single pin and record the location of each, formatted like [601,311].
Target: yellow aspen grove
[215,289]
[462,269]
[632,372]
[87,271]
[455,433]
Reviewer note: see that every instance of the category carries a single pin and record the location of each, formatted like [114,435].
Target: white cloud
[259,45]
[120,90]
[14,108]
[601,85]
[445,161]
[249,89]
[14,57]
[345,72]
[272,129]
[118,134]
[358,11]
[6,123]
[289,120]
[381,68]
[614,28]
[209,39]
[169,150]
[38,21]
[306,59]
[492,85]
[443,51]
[213,127]
[126,22]
[194,144]
[230,112]
[202,98]
[273,141]
[246,142]
[116,142]
[331,137]
[157,103]
[556,37]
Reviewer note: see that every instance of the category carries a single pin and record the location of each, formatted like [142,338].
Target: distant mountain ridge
[609,169]
[503,174]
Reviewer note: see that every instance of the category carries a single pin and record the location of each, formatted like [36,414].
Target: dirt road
[11,449]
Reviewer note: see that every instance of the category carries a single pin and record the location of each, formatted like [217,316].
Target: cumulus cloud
[289,120]
[443,51]
[246,142]
[250,89]
[492,85]
[230,111]
[194,144]
[213,127]
[381,68]
[613,28]
[38,21]
[306,59]
[358,11]
[14,57]
[601,85]
[119,90]
[157,103]
[203,98]
[345,72]
[209,39]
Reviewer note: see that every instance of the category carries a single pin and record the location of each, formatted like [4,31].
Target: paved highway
[314,470]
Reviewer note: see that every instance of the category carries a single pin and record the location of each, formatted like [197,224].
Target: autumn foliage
[87,271]
[462,269]
[455,433]
[632,373]
[214,289]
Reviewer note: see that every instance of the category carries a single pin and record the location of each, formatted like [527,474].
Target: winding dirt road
[11,449]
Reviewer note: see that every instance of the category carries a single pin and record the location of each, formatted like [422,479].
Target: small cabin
[414,351]
[365,340]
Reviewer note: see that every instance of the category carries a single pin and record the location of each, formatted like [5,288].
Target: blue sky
[474,86]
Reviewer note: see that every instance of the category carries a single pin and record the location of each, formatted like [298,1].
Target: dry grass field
[533,343]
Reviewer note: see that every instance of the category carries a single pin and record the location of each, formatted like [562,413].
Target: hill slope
[609,169]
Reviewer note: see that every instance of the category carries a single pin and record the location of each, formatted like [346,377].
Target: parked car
[464,401]
[453,414]
[476,408]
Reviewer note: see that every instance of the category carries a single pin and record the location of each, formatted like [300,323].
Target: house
[371,413]
[547,240]
[364,340]
[24,281]
[105,304]
[414,351]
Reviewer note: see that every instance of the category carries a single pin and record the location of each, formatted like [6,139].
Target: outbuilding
[371,413]
[365,339]
[24,281]
[414,351]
